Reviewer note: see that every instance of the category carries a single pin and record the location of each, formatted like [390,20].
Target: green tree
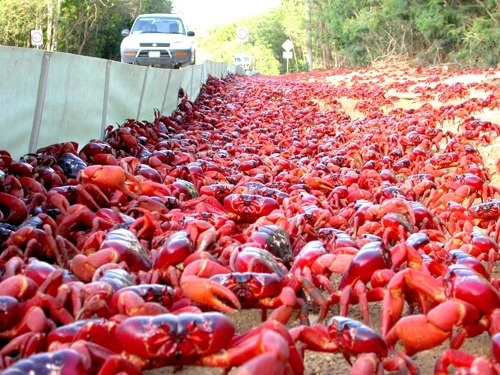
[294,25]
[266,35]
[19,18]
[88,27]
[93,27]
[334,32]
[480,46]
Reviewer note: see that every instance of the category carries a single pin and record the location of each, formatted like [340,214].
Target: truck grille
[154,44]
[146,54]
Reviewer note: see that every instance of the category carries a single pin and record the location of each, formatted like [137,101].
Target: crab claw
[207,292]
[318,183]
[112,177]
[434,328]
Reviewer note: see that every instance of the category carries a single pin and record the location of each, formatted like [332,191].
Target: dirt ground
[324,363]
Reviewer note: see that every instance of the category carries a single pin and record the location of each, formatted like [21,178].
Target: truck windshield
[164,25]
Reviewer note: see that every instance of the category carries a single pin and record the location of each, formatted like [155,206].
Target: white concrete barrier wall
[51,97]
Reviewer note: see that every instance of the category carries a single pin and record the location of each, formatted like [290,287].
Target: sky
[202,15]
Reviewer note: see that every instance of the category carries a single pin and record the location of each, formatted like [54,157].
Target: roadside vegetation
[84,27]
[326,34]
[353,33]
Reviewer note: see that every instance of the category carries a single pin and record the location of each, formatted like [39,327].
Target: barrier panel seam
[166,92]
[107,78]
[40,101]
[143,90]
[191,93]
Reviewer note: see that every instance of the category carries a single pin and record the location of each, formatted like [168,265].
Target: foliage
[88,27]
[429,31]
[18,19]
[481,44]
[265,36]
[325,33]
[265,60]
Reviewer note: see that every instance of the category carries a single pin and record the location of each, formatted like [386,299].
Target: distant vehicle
[247,62]
[159,39]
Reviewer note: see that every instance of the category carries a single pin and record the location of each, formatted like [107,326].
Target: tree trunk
[309,37]
[50,19]
[56,25]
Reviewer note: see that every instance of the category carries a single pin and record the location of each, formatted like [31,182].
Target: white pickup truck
[159,39]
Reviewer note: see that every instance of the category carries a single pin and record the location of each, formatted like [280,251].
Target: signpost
[288,54]
[36,38]
[242,35]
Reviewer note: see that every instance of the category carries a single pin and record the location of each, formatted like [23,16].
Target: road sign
[287,55]
[242,34]
[287,45]
[36,37]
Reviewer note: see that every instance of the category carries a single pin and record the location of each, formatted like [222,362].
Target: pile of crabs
[134,251]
